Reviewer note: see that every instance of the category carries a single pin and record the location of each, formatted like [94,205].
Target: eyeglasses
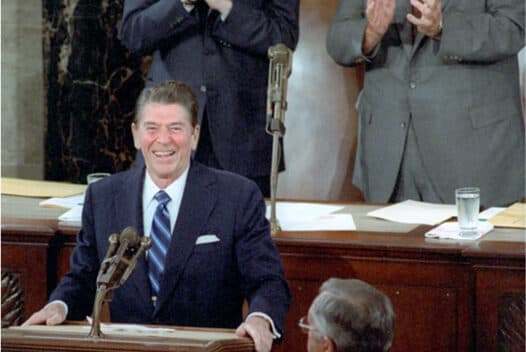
[306,327]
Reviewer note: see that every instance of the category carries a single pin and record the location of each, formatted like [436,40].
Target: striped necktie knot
[162,198]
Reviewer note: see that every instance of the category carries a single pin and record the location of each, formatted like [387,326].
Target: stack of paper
[73,216]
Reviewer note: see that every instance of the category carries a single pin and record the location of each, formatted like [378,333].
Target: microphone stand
[280,68]
[115,269]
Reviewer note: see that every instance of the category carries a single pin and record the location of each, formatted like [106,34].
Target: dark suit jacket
[225,64]
[461,92]
[204,284]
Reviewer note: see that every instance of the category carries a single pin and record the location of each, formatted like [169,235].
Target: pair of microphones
[121,257]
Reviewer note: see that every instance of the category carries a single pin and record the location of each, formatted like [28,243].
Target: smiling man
[211,242]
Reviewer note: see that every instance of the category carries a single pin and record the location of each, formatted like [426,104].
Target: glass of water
[468,204]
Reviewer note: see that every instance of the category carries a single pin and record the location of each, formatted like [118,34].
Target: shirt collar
[174,189]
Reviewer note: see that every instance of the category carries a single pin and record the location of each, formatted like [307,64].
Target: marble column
[92,83]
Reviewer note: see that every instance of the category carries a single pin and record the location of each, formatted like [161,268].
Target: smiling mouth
[164,154]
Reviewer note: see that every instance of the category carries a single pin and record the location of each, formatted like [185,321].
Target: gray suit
[460,93]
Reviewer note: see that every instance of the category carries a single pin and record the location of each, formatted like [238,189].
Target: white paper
[413,212]
[63,202]
[290,210]
[73,216]
[297,216]
[330,222]
[488,213]
[112,327]
[451,230]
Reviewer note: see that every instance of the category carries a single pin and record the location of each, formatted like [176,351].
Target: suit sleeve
[486,36]
[345,36]
[259,261]
[146,23]
[77,288]
[256,29]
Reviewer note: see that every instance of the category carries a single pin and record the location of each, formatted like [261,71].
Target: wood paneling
[448,296]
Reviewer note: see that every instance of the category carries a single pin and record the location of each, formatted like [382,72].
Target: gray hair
[168,92]
[355,315]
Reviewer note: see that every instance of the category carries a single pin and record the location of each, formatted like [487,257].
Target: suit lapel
[198,201]
[128,201]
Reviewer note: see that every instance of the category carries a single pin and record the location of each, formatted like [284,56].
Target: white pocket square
[207,239]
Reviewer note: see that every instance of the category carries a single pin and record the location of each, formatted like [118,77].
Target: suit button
[203,88]
[412,85]
[402,125]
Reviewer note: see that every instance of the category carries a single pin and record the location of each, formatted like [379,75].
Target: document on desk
[297,216]
[513,216]
[413,212]
[73,217]
[63,202]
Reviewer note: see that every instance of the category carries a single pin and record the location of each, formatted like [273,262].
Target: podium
[122,337]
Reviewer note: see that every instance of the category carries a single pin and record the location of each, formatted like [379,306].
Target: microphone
[119,262]
[120,258]
[280,68]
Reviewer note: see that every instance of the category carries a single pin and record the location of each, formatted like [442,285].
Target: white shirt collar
[174,189]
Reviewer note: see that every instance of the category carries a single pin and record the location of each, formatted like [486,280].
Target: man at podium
[211,244]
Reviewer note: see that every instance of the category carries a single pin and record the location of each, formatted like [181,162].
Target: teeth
[163,153]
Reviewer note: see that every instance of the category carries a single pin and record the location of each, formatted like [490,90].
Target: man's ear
[328,344]
[135,134]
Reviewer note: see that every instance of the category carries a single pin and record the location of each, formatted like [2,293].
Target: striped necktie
[160,235]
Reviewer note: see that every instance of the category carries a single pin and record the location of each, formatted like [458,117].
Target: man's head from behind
[166,130]
[350,315]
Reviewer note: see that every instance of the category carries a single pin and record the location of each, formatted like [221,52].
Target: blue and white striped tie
[160,235]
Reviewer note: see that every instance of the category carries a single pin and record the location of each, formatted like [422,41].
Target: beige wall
[321,121]
[22,111]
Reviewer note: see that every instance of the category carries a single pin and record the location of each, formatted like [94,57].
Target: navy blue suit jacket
[205,284]
[224,62]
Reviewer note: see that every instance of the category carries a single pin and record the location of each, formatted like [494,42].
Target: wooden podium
[122,337]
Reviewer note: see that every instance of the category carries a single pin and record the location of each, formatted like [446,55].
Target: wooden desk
[447,295]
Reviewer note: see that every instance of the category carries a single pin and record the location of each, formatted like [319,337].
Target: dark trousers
[205,155]
[413,180]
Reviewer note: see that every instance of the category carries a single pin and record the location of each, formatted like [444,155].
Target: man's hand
[259,330]
[223,6]
[379,14]
[430,21]
[52,314]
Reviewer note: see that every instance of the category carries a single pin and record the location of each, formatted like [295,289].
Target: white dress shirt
[149,204]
